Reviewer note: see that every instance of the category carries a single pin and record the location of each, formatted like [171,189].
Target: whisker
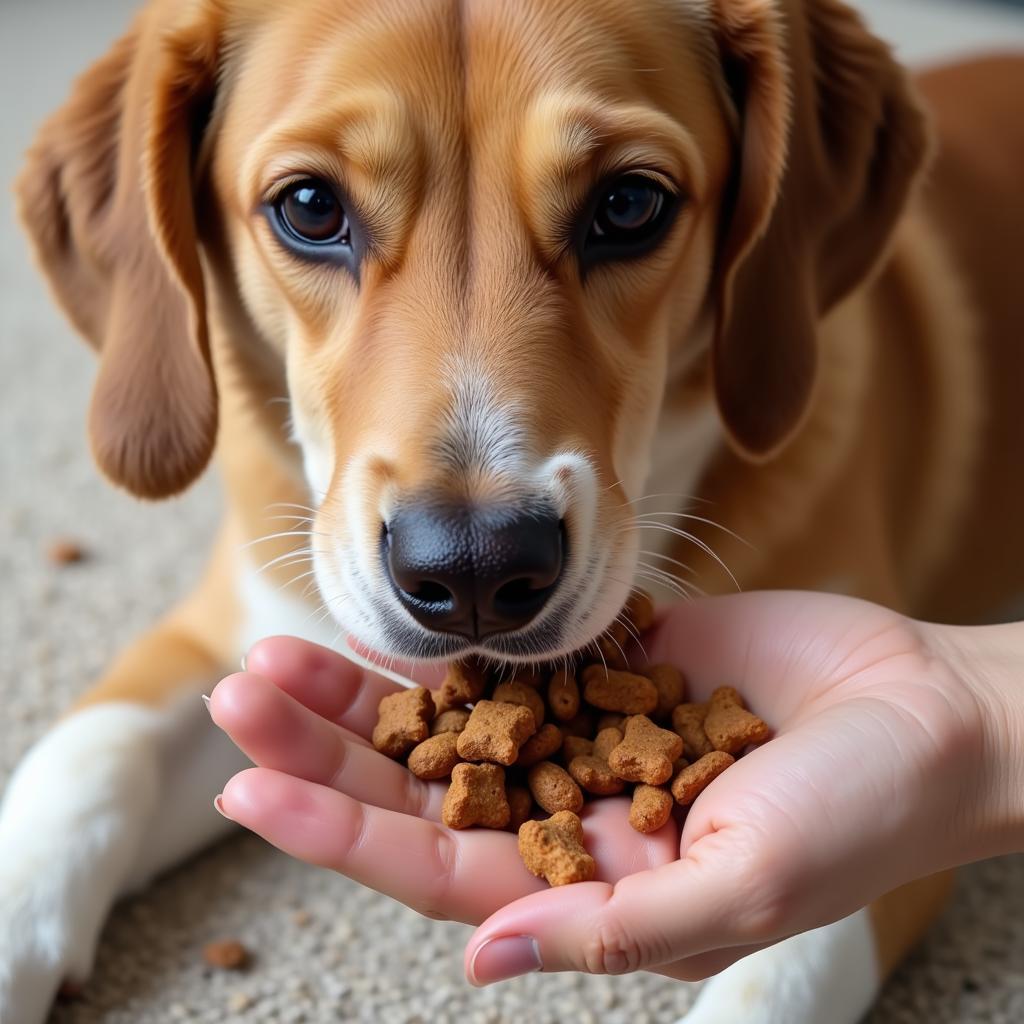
[693,540]
[698,519]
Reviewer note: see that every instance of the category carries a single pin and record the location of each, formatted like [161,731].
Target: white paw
[826,976]
[47,934]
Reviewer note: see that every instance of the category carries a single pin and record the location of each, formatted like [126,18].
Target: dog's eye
[311,212]
[629,217]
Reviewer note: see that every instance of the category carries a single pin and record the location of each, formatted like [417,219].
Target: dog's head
[479,239]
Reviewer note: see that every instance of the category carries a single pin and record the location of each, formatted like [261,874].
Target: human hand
[876,776]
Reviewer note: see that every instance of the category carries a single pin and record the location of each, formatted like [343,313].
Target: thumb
[706,901]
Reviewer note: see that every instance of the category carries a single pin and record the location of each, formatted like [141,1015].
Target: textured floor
[325,949]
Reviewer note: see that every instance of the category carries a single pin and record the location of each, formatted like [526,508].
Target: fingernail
[218,806]
[504,958]
[206,701]
[244,656]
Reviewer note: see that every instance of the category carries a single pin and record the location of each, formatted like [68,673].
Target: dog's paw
[47,933]
[826,976]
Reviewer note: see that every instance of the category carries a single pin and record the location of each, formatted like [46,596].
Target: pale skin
[898,752]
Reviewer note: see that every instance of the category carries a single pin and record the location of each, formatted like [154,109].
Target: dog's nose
[473,572]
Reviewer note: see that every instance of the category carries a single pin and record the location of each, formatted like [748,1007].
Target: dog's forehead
[466,65]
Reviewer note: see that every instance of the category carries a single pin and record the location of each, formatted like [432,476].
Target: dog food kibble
[226,955]
[594,775]
[65,552]
[729,726]
[553,788]
[606,741]
[650,809]
[646,752]
[688,721]
[554,850]
[671,687]
[476,797]
[691,781]
[576,746]
[495,732]
[619,691]
[435,758]
[607,729]
[520,802]
[450,721]
[464,683]
[563,696]
[403,721]
[540,746]
[524,695]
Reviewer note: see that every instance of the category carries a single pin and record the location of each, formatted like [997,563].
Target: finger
[647,920]
[462,876]
[278,732]
[324,681]
[706,965]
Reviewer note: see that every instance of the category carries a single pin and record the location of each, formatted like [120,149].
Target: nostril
[517,592]
[431,592]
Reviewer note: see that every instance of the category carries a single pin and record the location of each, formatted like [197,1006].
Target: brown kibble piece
[610,720]
[495,732]
[436,757]
[523,695]
[540,746]
[520,802]
[226,955]
[464,683]
[619,691]
[671,687]
[606,741]
[639,611]
[64,551]
[594,775]
[564,696]
[650,809]
[688,721]
[403,721]
[554,850]
[553,788]
[450,721]
[729,726]
[476,797]
[646,752]
[576,746]
[691,781]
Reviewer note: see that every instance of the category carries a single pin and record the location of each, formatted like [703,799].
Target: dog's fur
[825,348]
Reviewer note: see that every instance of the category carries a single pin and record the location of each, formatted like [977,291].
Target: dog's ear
[106,196]
[831,142]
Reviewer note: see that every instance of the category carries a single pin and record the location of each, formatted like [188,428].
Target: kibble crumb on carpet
[321,948]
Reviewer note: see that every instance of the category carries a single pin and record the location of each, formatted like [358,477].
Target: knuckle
[611,949]
[445,855]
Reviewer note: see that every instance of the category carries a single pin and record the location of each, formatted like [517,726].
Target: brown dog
[515,266]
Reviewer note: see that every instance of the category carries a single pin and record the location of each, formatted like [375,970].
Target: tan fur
[870,403]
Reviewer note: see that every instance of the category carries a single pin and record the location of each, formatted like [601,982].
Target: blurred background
[324,948]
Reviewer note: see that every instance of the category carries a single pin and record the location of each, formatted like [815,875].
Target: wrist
[988,661]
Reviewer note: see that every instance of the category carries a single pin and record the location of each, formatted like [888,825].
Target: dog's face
[479,238]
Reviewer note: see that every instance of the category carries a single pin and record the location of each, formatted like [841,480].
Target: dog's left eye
[629,217]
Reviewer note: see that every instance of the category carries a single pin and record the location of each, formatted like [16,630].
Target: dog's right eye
[312,213]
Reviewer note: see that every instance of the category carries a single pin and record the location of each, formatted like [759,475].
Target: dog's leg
[118,790]
[827,976]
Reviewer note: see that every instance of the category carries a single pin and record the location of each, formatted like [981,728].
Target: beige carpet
[325,949]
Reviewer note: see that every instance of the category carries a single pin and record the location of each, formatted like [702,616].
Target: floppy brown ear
[106,196]
[832,141]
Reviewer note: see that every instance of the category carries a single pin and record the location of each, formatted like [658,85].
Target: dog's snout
[473,572]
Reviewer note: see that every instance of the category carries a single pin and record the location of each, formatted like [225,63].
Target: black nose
[473,572]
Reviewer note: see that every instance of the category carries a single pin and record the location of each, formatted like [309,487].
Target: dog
[514,268]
